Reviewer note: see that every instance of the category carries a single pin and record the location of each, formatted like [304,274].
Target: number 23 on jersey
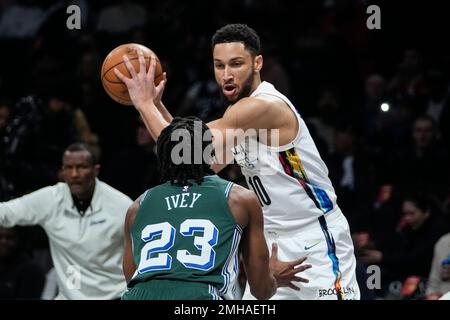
[160,238]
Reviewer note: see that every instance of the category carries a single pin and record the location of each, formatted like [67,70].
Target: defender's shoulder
[242,195]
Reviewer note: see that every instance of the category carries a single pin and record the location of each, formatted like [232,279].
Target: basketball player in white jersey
[289,177]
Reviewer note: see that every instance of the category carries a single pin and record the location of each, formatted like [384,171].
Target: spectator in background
[439,279]
[382,121]
[371,121]
[423,164]
[369,116]
[18,147]
[31,148]
[383,217]
[410,250]
[352,174]
[91,90]
[202,100]
[327,116]
[62,124]
[20,278]
[83,219]
[408,82]
[438,103]
[121,17]
[375,231]
[21,19]
[134,169]
[5,114]
[274,71]
[437,100]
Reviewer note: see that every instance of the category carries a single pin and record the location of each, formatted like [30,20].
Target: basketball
[115,88]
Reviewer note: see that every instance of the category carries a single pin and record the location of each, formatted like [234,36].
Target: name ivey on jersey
[182,200]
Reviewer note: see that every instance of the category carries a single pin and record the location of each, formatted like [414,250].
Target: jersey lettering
[187,200]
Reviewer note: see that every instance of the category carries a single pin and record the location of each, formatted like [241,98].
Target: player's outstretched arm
[248,117]
[163,110]
[254,250]
[143,93]
[128,262]
[146,98]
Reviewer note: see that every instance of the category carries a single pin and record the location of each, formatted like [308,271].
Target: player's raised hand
[158,98]
[285,271]
[141,86]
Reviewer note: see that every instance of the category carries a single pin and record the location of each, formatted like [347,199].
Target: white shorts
[329,248]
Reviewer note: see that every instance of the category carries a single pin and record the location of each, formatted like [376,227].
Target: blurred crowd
[376,102]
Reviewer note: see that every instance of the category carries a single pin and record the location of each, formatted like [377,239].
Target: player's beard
[245,92]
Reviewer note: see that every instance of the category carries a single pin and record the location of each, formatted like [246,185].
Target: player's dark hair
[195,136]
[238,33]
[80,146]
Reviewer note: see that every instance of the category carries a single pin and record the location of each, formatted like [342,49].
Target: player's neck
[256,82]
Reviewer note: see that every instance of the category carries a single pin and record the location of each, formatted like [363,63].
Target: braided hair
[181,151]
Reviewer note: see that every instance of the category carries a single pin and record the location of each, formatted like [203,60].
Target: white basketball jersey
[291,181]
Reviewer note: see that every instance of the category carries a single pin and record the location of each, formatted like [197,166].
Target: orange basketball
[115,88]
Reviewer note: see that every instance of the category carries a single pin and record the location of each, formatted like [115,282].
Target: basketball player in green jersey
[182,238]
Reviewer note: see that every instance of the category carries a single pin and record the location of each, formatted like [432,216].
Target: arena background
[320,53]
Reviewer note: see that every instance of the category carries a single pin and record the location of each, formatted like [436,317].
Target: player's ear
[258,63]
